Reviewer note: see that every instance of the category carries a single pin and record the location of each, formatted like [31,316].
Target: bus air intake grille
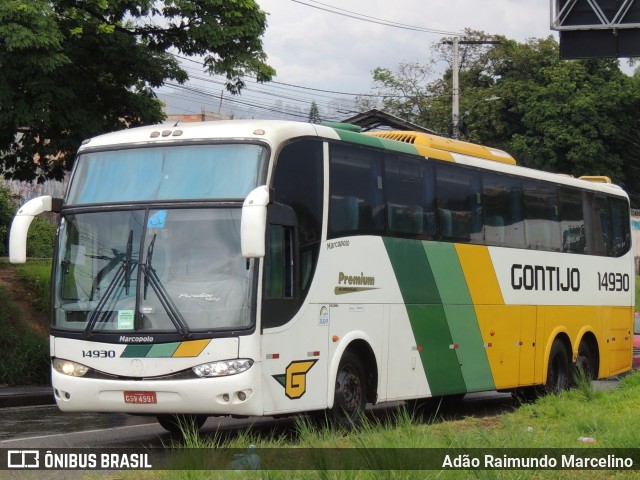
[397,136]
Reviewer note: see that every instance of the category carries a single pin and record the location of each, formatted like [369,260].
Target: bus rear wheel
[586,366]
[558,370]
[350,395]
[181,423]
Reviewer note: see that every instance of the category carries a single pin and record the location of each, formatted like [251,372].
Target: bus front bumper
[231,395]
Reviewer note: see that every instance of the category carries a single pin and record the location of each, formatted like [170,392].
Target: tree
[314,113]
[413,93]
[574,117]
[72,69]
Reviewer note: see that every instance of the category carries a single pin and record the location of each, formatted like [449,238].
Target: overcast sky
[318,47]
[313,47]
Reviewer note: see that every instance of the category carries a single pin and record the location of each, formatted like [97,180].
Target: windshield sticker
[157,219]
[209,297]
[125,319]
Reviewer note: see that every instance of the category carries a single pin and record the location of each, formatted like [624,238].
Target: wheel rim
[350,392]
[559,375]
[585,365]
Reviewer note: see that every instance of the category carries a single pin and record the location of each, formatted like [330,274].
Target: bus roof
[273,132]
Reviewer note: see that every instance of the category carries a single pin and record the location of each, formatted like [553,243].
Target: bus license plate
[140,397]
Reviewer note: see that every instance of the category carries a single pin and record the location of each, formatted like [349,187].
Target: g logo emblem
[294,380]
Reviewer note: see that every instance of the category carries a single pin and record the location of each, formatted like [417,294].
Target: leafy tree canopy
[71,69]
[575,117]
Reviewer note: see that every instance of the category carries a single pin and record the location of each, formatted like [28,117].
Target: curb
[25,396]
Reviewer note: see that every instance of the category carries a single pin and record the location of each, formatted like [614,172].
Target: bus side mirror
[22,221]
[253,225]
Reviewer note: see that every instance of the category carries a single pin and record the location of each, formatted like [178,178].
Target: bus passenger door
[293,338]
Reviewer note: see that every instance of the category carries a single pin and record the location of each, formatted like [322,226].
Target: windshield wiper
[165,299]
[124,270]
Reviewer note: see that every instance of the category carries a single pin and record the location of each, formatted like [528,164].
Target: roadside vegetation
[579,418]
[25,352]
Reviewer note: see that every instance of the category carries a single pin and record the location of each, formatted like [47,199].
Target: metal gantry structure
[592,15]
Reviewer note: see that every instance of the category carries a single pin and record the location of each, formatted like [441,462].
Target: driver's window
[279,263]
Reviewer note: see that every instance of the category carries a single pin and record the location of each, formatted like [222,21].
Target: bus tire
[181,422]
[586,366]
[524,395]
[350,396]
[558,370]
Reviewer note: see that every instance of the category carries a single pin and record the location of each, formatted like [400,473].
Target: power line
[274,82]
[378,21]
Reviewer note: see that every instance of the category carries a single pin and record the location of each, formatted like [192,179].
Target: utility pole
[455,92]
[455,95]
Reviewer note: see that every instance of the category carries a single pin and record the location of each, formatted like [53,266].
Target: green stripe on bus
[376,142]
[440,362]
[460,314]
[412,271]
[163,350]
[426,314]
[136,351]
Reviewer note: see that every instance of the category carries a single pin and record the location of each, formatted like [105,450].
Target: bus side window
[620,230]
[572,221]
[409,199]
[503,213]
[459,207]
[355,183]
[598,224]
[542,226]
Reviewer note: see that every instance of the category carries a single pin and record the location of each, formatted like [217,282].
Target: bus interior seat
[445,221]
[406,219]
[345,213]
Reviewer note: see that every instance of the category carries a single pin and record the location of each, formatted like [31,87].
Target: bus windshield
[218,171]
[152,270]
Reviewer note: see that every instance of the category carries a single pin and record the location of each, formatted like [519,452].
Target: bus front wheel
[181,423]
[558,370]
[350,395]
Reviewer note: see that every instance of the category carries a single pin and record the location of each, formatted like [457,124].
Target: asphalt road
[47,427]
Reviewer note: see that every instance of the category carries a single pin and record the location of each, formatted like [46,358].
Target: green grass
[25,354]
[608,416]
[37,275]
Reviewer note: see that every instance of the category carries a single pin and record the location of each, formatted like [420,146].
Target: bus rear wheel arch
[356,384]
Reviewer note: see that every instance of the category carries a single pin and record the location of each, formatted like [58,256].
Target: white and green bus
[267,268]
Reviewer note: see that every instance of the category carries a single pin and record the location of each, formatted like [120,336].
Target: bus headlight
[223,368]
[67,367]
